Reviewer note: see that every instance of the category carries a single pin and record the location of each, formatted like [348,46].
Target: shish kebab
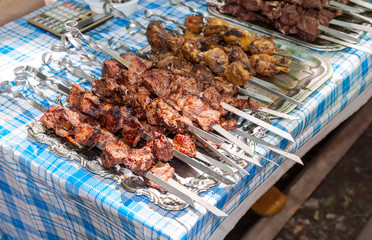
[191,33]
[126,63]
[138,97]
[233,139]
[111,117]
[221,143]
[262,61]
[235,72]
[169,103]
[81,130]
[115,118]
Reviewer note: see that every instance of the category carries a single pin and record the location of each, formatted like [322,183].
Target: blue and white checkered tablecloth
[43,196]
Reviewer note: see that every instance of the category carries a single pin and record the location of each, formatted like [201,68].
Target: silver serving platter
[89,158]
[319,44]
[295,84]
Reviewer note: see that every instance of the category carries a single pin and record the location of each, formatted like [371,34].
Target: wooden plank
[311,177]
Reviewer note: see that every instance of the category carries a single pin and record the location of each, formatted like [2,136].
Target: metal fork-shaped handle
[6,87]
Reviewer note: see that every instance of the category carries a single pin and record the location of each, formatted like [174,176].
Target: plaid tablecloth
[43,196]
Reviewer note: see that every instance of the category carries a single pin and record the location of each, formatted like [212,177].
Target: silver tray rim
[213,10]
[123,177]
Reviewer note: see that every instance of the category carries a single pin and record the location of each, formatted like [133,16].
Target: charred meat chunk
[208,118]
[237,73]
[162,149]
[167,115]
[202,73]
[193,108]
[312,4]
[214,30]
[87,135]
[174,44]
[230,8]
[150,129]
[111,68]
[51,117]
[290,16]
[184,144]
[264,64]
[156,35]
[239,37]
[229,124]
[128,78]
[90,105]
[140,160]
[151,110]
[136,65]
[113,119]
[190,50]
[263,44]
[132,131]
[163,171]
[177,99]
[105,87]
[308,25]
[194,23]
[236,53]
[113,153]
[138,98]
[182,123]
[251,5]
[272,9]
[68,121]
[106,137]
[212,97]
[325,16]
[287,30]
[216,59]
[76,93]
[188,83]
[158,81]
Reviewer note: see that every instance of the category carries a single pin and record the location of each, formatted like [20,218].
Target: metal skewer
[350,45]
[365,4]
[192,162]
[149,13]
[191,9]
[338,34]
[276,93]
[269,146]
[258,122]
[350,25]
[278,114]
[345,7]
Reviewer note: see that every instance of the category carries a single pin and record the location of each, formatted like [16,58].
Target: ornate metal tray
[89,158]
[295,84]
[319,44]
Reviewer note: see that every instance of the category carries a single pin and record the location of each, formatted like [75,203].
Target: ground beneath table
[340,206]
